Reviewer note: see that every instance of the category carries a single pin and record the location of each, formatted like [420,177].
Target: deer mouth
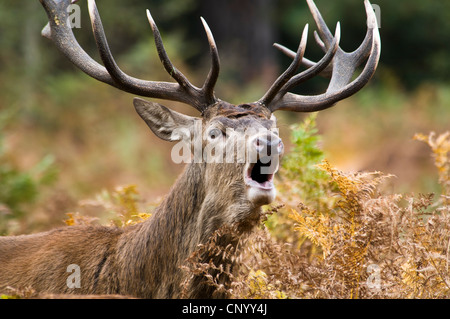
[258,178]
[260,174]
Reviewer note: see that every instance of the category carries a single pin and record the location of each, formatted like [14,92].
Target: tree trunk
[244,35]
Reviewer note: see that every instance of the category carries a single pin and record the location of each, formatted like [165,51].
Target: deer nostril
[259,145]
[275,146]
[268,146]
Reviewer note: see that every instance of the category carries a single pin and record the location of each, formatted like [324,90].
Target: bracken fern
[359,242]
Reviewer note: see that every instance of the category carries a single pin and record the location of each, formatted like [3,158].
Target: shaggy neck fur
[152,252]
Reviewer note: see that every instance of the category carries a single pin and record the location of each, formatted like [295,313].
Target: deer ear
[165,123]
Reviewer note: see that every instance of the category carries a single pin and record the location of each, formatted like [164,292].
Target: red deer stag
[144,260]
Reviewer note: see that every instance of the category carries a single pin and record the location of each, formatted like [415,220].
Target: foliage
[300,177]
[13,293]
[122,206]
[200,264]
[20,187]
[405,236]
[366,244]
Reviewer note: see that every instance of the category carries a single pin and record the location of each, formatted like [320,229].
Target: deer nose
[269,145]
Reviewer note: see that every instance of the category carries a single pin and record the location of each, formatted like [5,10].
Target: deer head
[217,116]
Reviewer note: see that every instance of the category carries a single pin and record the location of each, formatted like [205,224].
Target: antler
[60,32]
[336,63]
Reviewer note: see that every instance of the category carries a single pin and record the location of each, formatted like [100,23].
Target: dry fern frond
[259,287]
[344,234]
[122,206]
[354,186]
[412,279]
[75,219]
[315,227]
[212,263]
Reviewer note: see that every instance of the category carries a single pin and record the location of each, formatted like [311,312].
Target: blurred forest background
[65,137]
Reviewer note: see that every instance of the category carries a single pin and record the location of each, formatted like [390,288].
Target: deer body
[142,260]
[145,260]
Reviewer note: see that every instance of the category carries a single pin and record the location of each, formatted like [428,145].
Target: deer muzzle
[265,152]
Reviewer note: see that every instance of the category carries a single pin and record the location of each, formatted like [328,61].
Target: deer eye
[214,133]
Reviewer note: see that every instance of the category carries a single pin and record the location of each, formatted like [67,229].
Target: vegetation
[355,241]
[17,187]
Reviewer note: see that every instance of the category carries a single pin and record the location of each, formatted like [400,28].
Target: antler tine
[305,62]
[343,67]
[60,32]
[358,55]
[170,68]
[320,22]
[290,71]
[120,79]
[316,68]
[211,80]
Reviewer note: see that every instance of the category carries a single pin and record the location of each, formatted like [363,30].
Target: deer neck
[189,215]
[199,204]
